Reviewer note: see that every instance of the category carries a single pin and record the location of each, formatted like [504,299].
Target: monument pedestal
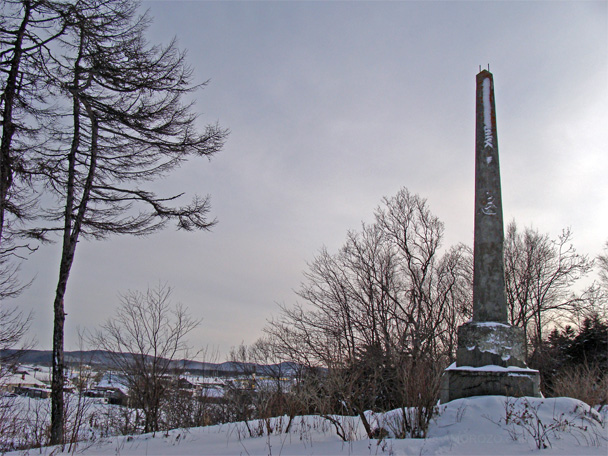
[459,382]
[490,360]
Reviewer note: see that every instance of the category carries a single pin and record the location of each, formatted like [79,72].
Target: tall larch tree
[122,124]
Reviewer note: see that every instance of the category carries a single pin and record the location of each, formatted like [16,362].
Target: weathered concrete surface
[489,302]
[466,382]
[497,344]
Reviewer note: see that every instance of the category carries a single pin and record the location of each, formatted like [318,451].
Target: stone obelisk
[490,359]
[489,303]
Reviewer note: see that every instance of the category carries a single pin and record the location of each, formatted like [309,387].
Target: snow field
[495,425]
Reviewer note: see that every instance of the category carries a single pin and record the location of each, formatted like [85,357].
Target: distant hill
[102,358]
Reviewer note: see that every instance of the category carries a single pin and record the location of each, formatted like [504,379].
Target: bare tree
[144,339]
[602,261]
[241,395]
[265,387]
[13,328]
[272,381]
[540,275]
[434,291]
[14,325]
[389,297]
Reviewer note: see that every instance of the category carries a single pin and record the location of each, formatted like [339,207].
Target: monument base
[490,360]
[459,382]
[490,343]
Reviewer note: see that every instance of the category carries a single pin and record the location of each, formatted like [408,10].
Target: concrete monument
[490,359]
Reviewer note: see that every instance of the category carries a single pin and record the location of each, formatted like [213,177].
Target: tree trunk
[57,370]
[71,231]
[57,382]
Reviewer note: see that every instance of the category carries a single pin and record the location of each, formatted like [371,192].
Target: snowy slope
[475,426]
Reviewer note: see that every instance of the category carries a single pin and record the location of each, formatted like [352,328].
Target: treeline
[101,359]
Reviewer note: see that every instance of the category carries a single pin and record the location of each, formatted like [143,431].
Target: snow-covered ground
[489,425]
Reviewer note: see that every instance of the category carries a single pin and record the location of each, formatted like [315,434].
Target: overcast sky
[333,105]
